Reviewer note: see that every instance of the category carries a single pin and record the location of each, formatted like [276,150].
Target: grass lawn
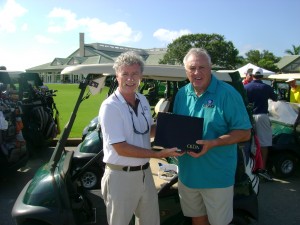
[65,99]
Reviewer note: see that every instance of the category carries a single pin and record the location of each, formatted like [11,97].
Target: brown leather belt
[127,168]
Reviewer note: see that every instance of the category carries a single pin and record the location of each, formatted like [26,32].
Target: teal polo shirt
[223,110]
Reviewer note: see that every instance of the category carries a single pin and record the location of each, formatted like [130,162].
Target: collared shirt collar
[119,96]
[257,81]
[212,87]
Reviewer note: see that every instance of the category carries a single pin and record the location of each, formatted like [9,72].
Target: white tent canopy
[244,69]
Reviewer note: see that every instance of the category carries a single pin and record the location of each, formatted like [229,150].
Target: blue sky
[34,32]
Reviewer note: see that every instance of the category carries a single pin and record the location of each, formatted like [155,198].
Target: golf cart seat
[165,177]
[161,106]
[281,111]
[154,164]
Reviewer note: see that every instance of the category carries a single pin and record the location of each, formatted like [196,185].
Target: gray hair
[128,58]
[197,52]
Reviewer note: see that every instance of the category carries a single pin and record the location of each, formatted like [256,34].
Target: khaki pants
[130,193]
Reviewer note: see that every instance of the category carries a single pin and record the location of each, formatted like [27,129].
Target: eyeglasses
[143,113]
[131,113]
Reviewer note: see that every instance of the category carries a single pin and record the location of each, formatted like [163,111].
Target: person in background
[258,94]
[125,118]
[295,91]
[206,179]
[248,77]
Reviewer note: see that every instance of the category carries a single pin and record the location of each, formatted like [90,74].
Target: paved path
[279,201]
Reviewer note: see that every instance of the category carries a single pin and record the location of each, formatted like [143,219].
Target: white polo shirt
[116,125]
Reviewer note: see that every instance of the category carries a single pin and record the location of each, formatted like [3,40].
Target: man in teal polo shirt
[206,179]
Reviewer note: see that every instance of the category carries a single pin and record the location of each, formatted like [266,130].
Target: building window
[66,79]
[57,78]
[75,79]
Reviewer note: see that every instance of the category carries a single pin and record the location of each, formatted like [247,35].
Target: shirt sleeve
[112,125]
[235,112]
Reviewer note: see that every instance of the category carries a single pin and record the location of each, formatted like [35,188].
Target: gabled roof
[99,53]
[286,60]
[45,67]
[59,61]
[76,60]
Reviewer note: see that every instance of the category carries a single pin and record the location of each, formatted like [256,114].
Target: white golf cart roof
[285,76]
[12,72]
[156,72]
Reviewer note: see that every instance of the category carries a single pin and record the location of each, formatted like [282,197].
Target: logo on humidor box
[193,146]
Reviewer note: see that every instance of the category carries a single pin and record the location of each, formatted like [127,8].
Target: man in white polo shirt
[125,117]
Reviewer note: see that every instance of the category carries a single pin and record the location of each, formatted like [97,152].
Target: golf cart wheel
[90,179]
[284,165]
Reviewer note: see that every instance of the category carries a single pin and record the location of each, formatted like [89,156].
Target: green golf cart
[56,195]
[284,154]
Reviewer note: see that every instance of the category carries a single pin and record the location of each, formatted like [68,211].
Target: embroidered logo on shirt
[209,104]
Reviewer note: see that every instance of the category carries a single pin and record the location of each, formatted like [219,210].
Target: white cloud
[97,30]
[116,33]
[24,27]
[9,15]
[30,56]
[168,36]
[44,40]
[23,61]
[63,20]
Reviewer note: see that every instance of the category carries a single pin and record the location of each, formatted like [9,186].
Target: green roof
[98,53]
[286,60]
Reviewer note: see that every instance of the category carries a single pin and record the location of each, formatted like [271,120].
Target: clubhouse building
[96,53]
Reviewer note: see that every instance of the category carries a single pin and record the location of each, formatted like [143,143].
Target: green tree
[294,51]
[264,59]
[253,56]
[223,53]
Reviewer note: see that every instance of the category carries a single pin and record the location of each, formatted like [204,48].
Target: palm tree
[295,51]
